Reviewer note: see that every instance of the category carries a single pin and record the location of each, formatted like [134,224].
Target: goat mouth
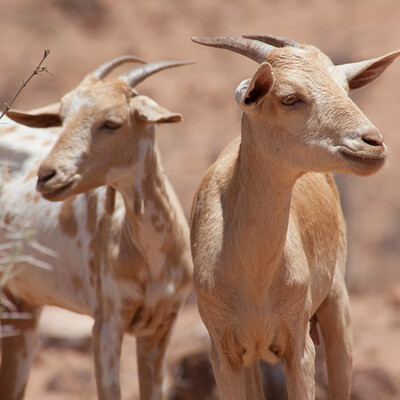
[364,159]
[57,194]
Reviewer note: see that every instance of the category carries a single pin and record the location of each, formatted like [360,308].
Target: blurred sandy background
[82,34]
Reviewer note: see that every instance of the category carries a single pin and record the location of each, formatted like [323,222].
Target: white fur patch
[79,101]
[241,90]
[21,145]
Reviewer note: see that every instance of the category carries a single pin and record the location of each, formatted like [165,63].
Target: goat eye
[110,125]
[290,100]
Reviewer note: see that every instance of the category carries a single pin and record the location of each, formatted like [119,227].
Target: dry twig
[39,69]
[11,251]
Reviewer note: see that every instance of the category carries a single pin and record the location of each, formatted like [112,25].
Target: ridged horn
[273,40]
[137,75]
[253,49]
[104,69]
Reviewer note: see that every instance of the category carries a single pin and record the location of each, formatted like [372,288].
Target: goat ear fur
[362,73]
[249,95]
[149,112]
[44,117]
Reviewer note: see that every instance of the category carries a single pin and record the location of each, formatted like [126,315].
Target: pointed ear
[250,92]
[149,112]
[362,73]
[44,117]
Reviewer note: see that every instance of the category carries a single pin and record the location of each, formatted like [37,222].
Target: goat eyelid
[291,100]
[112,125]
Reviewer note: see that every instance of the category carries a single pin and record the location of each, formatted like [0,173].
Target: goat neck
[150,216]
[264,189]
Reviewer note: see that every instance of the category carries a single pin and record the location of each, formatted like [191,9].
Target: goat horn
[253,49]
[276,41]
[104,69]
[139,74]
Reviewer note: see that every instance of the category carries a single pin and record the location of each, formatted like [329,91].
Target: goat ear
[44,117]
[362,73]
[251,92]
[149,112]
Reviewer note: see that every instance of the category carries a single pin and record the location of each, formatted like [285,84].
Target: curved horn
[104,69]
[139,74]
[255,50]
[273,40]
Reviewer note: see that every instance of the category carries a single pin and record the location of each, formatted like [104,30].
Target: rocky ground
[63,367]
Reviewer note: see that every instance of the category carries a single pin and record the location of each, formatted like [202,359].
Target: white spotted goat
[113,219]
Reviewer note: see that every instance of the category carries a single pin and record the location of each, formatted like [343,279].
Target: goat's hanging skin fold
[110,200]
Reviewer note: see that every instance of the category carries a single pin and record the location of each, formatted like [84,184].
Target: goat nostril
[372,140]
[46,175]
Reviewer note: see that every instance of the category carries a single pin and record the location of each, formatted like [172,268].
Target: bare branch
[39,69]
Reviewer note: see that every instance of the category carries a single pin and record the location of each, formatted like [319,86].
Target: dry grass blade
[16,315]
[8,330]
[24,259]
[11,254]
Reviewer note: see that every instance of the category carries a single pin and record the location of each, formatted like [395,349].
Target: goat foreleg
[107,339]
[300,368]
[229,378]
[151,361]
[252,378]
[334,318]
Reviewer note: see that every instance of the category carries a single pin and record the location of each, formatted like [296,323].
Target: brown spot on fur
[46,143]
[54,131]
[110,200]
[5,171]
[8,218]
[77,282]
[31,174]
[91,221]
[98,247]
[36,197]
[28,196]
[9,129]
[29,137]
[66,218]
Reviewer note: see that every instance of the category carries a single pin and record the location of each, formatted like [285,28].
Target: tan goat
[124,253]
[267,231]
